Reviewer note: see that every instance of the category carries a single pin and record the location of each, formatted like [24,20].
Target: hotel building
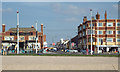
[27,38]
[105,34]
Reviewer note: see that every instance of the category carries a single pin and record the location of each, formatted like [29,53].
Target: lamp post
[91,30]
[17,32]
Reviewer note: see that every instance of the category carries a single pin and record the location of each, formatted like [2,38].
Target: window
[100,39]
[84,41]
[80,35]
[21,38]
[84,33]
[89,32]
[109,32]
[109,40]
[118,32]
[84,26]
[109,24]
[100,24]
[92,25]
[32,38]
[118,40]
[118,24]
[9,38]
[93,39]
[80,28]
[99,32]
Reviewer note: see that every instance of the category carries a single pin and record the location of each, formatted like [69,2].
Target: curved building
[105,34]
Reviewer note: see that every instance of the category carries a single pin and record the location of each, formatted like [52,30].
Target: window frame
[109,41]
[109,23]
[119,24]
[118,39]
[117,32]
[108,32]
[98,25]
[99,32]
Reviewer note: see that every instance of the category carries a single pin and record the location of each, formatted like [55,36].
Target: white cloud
[6,10]
[56,7]
[69,9]
[115,6]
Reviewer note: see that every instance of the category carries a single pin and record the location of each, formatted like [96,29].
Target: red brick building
[107,31]
[27,37]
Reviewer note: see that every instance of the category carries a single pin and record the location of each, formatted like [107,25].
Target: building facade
[27,38]
[105,34]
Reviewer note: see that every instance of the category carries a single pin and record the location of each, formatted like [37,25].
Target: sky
[60,19]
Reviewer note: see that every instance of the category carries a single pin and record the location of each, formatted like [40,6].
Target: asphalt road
[59,63]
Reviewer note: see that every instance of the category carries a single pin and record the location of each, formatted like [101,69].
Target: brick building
[27,38]
[107,31]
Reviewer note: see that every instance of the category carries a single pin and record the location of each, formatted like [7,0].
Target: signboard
[53,44]
[72,44]
[22,33]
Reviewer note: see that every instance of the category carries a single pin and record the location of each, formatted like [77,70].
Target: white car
[73,51]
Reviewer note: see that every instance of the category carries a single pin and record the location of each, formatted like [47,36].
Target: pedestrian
[118,51]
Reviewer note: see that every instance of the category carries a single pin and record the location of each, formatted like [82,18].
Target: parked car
[72,51]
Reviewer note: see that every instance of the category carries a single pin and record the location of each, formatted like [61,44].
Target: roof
[22,29]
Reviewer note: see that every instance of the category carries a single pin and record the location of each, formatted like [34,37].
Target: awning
[108,45]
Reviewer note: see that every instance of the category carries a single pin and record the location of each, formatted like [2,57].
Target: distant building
[107,31]
[27,37]
[75,40]
[63,43]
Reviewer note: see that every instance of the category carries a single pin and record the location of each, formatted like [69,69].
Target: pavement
[59,63]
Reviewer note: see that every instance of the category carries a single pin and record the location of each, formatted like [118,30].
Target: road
[59,63]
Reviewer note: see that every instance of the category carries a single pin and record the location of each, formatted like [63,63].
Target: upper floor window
[118,24]
[99,32]
[109,32]
[84,41]
[109,24]
[84,26]
[109,40]
[118,32]
[92,25]
[89,32]
[118,40]
[32,38]
[83,33]
[80,28]
[9,38]
[100,24]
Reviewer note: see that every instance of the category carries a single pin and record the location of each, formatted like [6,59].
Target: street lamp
[91,30]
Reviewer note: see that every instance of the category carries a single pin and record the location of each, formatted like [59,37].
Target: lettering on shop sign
[30,33]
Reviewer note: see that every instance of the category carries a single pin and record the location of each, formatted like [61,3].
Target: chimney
[44,38]
[105,14]
[84,19]
[32,26]
[42,28]
[3,27]
[97,16]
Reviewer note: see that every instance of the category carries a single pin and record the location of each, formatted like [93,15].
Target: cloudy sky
[60,19]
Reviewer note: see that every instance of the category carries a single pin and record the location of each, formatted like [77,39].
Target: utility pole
[36,37]
[91,30]
[17,32]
